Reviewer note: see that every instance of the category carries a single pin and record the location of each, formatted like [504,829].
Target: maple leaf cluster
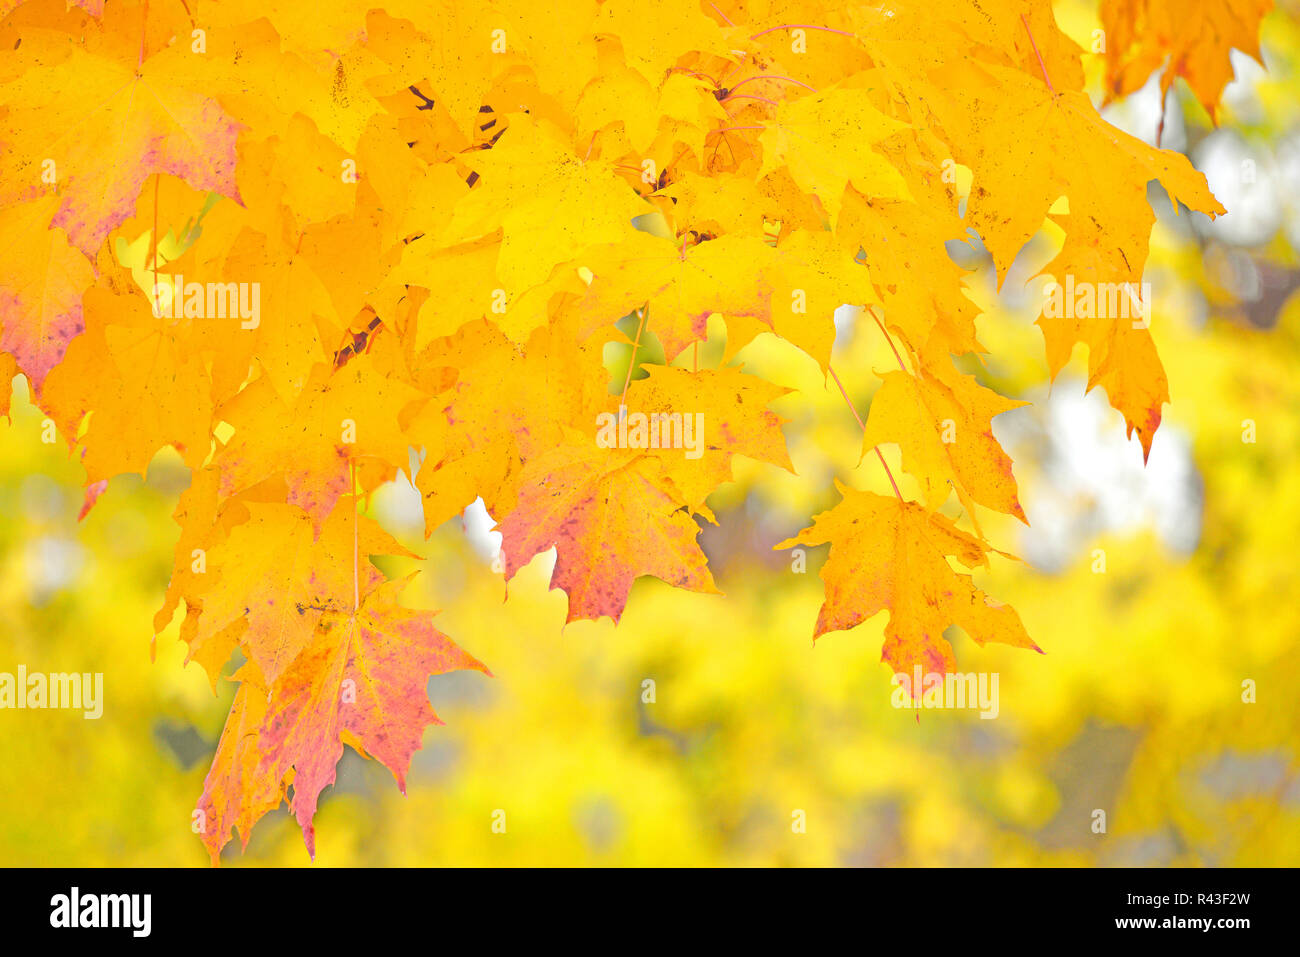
[416,228]
[1180,38]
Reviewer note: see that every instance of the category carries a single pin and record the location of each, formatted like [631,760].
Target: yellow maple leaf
[890,554]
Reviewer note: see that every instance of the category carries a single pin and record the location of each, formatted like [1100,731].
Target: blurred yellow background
[1157,594]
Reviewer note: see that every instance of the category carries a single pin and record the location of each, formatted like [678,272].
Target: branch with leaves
[418,228]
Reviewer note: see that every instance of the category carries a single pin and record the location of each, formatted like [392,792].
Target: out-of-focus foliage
[1136,708]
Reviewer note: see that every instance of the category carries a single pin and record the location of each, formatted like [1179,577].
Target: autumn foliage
[410,237]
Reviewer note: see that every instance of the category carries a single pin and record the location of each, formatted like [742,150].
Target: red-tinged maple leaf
[612,516]
[362,682]
[238,791]
[8,369]
[93,491]
[126,122]
[42,279]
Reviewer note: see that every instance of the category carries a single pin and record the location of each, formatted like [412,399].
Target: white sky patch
[399,506]
[1090,480]
[1245,181]
[478,530]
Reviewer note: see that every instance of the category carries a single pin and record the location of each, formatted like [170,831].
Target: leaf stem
[1041,65]
[631,361]
[748,96]
[157,305]
[356,585]
[773,76]
[701,74]
[862,425]
[144,18]
[884,332]
[1160,130]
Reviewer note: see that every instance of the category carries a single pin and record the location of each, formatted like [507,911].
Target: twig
[862,425]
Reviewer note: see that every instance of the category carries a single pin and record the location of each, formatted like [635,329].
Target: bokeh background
[1155,592]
